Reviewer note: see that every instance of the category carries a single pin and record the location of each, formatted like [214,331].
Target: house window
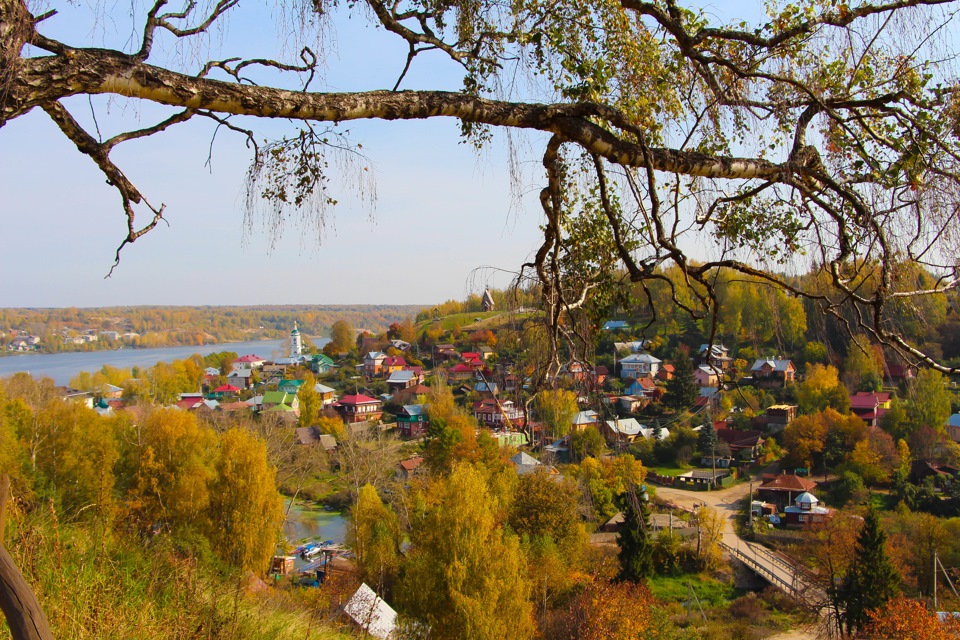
[803,517]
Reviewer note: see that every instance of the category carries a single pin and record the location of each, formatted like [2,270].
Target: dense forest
[167,326]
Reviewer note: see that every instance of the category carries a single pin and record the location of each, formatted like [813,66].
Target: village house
[412,420]
[869,406]
[321,363]
[408,468]
[706,376]
[805,511]
[584,419]
[639,365]
[358,408]
[373,363]
[393,363]
[953,427]
[666,372]
[782,489]
[744,445]
[444,352]
[249,361]
[400,380]
[643,387]
[312,436]
[461,372]
[778,416]
[496,415]
[240,378]
[773,372]
[718,356]
[290,386]
[632,404]
[327,394]
[619,433]
[486,389]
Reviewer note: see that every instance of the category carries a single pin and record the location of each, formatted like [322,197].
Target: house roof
[394,361]
[371,613]
[777,364]
[613,325]
[740,438]
[717,350]
[806,498]
[241,373]
[640,358]
[375,355]
[411,464]
[585,417]
[485,387]
[461,368]
[867,401]
[523,458]
[788,482]
[358,398]
[233,406]
[250,358]
[954,420]
[625,426]
[226,388]
[668,367]
[308,435]
[291,383]
[322,388]
[400,376]
[275,397]
[414,409]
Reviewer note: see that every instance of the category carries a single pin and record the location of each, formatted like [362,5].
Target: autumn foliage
[905,619]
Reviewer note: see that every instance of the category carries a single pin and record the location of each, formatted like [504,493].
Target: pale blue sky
[443,210]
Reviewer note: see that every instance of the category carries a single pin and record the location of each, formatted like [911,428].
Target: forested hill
[70,329]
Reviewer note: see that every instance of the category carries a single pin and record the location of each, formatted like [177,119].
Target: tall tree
[682,389]
[556,408]
[616,95]
[929,401]
[310,402]
[707,440]
[465,576]
[872,579]
[343,338]
[373,533]
[246,510]
[633,538]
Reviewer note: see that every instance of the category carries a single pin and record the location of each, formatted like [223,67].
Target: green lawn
[671,471]
[710,592]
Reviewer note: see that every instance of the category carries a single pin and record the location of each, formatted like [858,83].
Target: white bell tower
[296,345]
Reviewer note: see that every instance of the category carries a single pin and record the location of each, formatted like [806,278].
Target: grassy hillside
[95,583]
[473,321]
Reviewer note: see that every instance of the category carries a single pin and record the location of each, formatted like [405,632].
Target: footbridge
[784,573]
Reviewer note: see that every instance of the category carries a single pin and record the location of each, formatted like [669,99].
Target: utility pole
[934,580]
[750,505]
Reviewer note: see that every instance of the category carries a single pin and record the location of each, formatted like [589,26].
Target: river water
[64,366]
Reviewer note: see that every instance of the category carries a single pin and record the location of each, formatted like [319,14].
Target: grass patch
[672,471]
[710,591]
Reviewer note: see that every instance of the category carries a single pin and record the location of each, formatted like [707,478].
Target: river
[64,366]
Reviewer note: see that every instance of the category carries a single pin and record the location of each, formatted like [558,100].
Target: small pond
[307,521]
